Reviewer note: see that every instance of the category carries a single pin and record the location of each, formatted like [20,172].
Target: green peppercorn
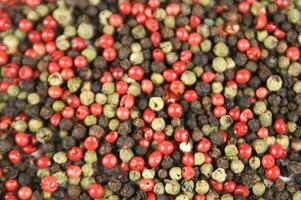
[231,151]
[55,79]
[126,155]
[63,16]
[258,189]
[148,173]
[254,162]
[297,87]
[138,32]
[219,175]
[58,105]
[109,110]
[156,103]
[90,157]
[274,83]
[13,90]
[60,157]
[219,64]
[35,124]
[33,99]
[19,126]
[270,42]
[90,53]
[221,49]
[86,182]
[199,158]
[227,196]
[172,187]
[206,169]
[157,79]
[74,84]
[294,15]
[100,98]
[61,177]
[175,173]
[188,78]
[87,97]
[260,146]
[159,188]
[265,119]
[134,175]
[259,108]
[134,89]
[44,135]
[237,166]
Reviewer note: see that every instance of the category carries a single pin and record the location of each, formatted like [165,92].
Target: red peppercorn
[169,75]
[80,62]
[147,86]
[154,159]
[146,184]
[153,3]
[24,193]
[276,151]
[244,7]
[194,21]
[22,139]
[181,135]
[280,126]
[91,143]
[261,20]
[282,3]
[49,184]
[240,129]
[253,53]
[159,136]
[137,163]
[136,73]
[122,113]
[261,92]
[152,25]
[204,145]
[96,191]
[217,99]
[34,36]
[14,156]
[155,38]
[67,112]
[243,45]
[194,39]
[175,110]
[179,67]
[49,22]
[242,76]
[96,109]
[188,159]
[65,62]
[267,161]
[105,41]
[177,87]
[73,171]
[272,173]
[186,56]
[25,72]
[109,54]
[148,115]
[245,115]
[166,147]
[293,53]
[125,8]
[109,161]
[75,154]
[82,112]
[234,113]
[208,76]
[190,96]
[199,197]
[241,190]
[137,7]
[244,150]
[262,132]
[173,9]
[182,34]
[229,186]
[158,54]
[219,111]
[11,185]
[115,20]
[188,172]
[43,162]
[216,185]
[78,43]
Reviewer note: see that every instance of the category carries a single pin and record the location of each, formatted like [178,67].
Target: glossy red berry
[240,129]
[73,171]
[22,139]
[188,172]
[154,159]
[137,163]
[229,186]
[267,161]
[106,41]
[24,193]
[49,184]
[204,145]
[244,150]
[91,143]
[293,53]
[280,126]
[96,191]
[166,147]
[242,76]
[276,150]
[175,110]
[146,184]
[136,73]
[272,173]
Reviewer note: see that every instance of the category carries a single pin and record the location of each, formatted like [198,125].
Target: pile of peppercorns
[150,99]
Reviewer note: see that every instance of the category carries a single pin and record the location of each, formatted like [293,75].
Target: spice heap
[152,99]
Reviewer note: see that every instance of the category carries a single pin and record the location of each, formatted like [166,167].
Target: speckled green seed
[254,162]
[134,175]
[237,166]
[188,78]
[159,188]
[109,110]
[148,173]
[13,90]
[86,97]
[55,79]
[172,187]
[270,42]
[225,122]
[138,32]
[219,64]
[157,78]
[60,157]
[63,16]
[108,88]
[169,21]
[294,15]
[262,35]
[61,177]
[74,84]
[182,197]
[126,155]
[274,83]
[87,169]
[259,108]
[206,169]
[19,125]
[86,182]
[202,187]
[265,119]
[100,98]
[297,195]
[297,87]
[260,146]
[231,151]
[199,158]
[221,49]
[230,92]
[219,175]
[90,156]
[90,120]
[166,46]
[258,189]
[35,124]
[175,173]
[90,53]
[283,62]
[206,46]
[158,124]
[44,135]
[134,89]
[156,103]
[113,98]
[33,99]
[58,105]
[294,69]
[136,58]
